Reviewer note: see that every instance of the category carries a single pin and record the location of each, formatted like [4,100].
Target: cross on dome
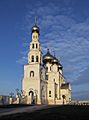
[35,20]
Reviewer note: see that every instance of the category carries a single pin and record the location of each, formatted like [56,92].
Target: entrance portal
[31,94]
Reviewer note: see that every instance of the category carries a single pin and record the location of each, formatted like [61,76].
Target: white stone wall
[31,82]
[43,92]
[51,96]
[67,93]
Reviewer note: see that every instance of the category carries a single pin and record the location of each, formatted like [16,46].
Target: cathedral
[43,81]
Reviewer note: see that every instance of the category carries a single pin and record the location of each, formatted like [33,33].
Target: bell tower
[32,78]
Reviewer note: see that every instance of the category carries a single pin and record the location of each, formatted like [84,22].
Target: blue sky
[64,27]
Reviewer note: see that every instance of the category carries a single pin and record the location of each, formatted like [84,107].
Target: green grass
[66,112]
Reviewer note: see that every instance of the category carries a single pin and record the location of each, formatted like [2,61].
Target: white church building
[43,81]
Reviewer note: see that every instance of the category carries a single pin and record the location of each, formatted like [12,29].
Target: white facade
[43,81]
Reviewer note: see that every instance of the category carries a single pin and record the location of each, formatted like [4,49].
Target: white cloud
[81,95]
[60,31]
[83,77]
[22,60]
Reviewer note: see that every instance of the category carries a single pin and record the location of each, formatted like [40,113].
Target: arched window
[36,58]
[32,74]
[32,45]
[36,45]
[32,58]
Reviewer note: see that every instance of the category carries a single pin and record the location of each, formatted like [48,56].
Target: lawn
[65,112]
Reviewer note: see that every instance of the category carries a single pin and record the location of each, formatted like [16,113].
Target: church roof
[65,86]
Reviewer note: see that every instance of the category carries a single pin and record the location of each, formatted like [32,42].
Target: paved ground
[44,112]
[8,111]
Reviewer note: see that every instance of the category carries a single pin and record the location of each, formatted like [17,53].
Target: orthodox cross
[35,20]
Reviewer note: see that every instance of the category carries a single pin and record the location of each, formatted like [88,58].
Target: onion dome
[35,28]
[47,57]
[60,66]
[55,60]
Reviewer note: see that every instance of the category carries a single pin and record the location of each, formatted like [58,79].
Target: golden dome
[55,60]
[47,57]
[35,28]
[60,66]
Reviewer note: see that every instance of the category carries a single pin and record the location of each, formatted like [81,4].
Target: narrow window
[32,45]
[46,77]
[33,36]
[46,69]
[36,58]
[32,74]
[49,93]
[56,90]
[50,68]
[36,45]
[36,36]
[32,58]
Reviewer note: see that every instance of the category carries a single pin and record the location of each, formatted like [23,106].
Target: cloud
[62,32]
[81,95]
[83,77]
[22,60]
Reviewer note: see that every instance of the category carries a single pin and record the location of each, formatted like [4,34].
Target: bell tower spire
[35,31]
[34,55]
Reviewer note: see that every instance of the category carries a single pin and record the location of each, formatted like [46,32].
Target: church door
[31,94]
